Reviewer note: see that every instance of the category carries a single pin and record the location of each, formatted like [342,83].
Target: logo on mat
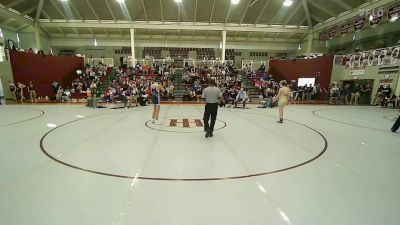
[185,123]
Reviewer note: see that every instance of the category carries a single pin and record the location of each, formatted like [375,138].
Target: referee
[212,96]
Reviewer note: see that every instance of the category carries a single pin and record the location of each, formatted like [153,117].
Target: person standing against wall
[13,90]
[21,89]
[212,96]
[396,125]
[354,94]
[32,92]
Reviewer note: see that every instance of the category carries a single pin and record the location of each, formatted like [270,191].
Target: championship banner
[359,23]
[394,12]
[376,17]
[323,36]
[344,29]
[378,57]
[332,32]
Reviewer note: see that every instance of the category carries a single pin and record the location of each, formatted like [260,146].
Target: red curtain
[43,70]
[320,68]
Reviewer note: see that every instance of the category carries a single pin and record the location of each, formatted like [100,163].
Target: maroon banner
[323,36]
[332,32]
[344,29]
[359,23]
[394,12]
[376,17]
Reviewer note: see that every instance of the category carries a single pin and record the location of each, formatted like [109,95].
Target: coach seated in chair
[390,99]
[267,98]
[241,97]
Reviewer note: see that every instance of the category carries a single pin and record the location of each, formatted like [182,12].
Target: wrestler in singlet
[283,96]
[155,93]
[283,99]
[156,90]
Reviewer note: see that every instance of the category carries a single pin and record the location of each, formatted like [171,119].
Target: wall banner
[359,23]
[376,17]
[332,32]
[394,12]
[345,28]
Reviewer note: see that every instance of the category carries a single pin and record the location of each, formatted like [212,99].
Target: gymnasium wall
[43,70]
[308,68]
[5,76]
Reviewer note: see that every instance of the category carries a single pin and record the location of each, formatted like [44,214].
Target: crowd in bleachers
[131,86]
[226,76]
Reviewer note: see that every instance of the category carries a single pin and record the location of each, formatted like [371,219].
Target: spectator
[13,90]
[241,97]
[354,94]
[21,90]
[186,95]
[32,92]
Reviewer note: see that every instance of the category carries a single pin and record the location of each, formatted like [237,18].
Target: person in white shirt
[21,89]
[241,97]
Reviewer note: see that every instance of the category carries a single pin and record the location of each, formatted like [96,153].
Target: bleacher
[207,53]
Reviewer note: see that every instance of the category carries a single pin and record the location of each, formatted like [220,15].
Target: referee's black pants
[396,125]
[211,110]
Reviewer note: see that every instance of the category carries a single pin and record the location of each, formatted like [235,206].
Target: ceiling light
[394,18]
[235,2]
[95,42]
[64,0]
[51,125]
[121,1]
[371,17]
[178,1]
[287,3]
[299,48]
[1,33]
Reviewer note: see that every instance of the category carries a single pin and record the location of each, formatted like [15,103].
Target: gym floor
[328,165]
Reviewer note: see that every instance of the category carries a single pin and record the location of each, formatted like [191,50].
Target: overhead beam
[92,9]
[323,9]
[162,11]
[8,21]
[228,14]
[319,20]
[343,5]
[109,10]
[28,11]
[76,10]
[145,12]
[354,13]
[262,12]
[14,3]
[195,13]
[18,17]
[39,10]
[179,12]
[301,22]
[22,27]
[307,11]
[249,2]
[296,10]
[58,9]
[47,15]
[212,11]
[175,26]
